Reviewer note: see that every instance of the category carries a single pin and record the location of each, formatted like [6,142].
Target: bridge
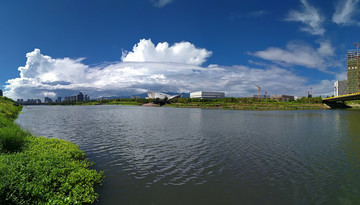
[338,102]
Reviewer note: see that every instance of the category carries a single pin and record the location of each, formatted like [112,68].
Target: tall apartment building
[352,72]
[340,88]
[1,93]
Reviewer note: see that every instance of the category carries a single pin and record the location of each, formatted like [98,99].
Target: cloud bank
[300,55]
[142,70]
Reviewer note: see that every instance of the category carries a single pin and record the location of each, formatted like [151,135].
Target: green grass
[38,170]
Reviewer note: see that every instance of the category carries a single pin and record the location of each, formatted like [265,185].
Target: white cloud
[45,76]
[309,16]
[326,49]
[345,12]
[161,3]
[183,52]
[300,54]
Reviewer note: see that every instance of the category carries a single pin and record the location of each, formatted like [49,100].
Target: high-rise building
[80,97]
[47,100]
[352,72]
[1,93]
[58,100]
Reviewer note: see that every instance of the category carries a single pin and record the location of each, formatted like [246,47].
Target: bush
[50,171]
[12,138]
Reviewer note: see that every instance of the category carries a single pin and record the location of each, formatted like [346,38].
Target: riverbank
[38,170]
[254,106]
[225,103]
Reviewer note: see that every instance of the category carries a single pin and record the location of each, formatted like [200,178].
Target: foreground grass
[38,170]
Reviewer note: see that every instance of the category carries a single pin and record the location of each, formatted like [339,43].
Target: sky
[128,47]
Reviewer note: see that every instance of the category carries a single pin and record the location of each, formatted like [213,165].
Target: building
[29,102]
[207,95]
[80,97]
[47,100]
[340,88]
[352,72]
[1,93]
[103,98]
[154,95]
[58,100]
[284,98]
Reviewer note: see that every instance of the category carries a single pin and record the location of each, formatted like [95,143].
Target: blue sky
[104,48]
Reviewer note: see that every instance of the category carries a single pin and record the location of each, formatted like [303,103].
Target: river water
[158,155]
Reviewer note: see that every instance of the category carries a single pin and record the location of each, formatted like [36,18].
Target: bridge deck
[352,96]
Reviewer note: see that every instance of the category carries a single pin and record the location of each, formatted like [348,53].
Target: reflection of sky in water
[195,156]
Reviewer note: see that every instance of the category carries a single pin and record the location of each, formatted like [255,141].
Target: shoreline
[39,170]
[245,107]
[229,103]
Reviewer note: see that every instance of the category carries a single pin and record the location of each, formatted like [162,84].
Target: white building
[340,88]
[207,95]
[154,95]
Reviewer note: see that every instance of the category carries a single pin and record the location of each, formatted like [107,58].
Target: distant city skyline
[126,48]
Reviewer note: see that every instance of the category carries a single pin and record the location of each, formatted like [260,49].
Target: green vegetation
[305,103]
[38,170]
[249,103]
[354,104]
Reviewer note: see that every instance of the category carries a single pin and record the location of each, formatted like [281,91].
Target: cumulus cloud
[299,54]
[310,17]
[184,52]
[345,12]
[161,3]
[43,76]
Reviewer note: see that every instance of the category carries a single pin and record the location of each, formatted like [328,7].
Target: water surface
[154,155]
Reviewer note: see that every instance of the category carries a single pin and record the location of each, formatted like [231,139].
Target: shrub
[12,138]
[48,171]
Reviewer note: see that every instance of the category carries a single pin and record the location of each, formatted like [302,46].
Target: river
[159,155]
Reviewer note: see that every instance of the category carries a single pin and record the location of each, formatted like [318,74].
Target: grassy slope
[38,170]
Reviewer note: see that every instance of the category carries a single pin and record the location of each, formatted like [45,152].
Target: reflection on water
[195,156]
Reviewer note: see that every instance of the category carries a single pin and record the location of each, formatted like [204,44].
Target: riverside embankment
[39,170]
[224,103]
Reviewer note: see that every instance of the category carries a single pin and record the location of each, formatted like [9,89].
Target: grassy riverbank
[224,103]
[354,104]
[253,106]
[38,170]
